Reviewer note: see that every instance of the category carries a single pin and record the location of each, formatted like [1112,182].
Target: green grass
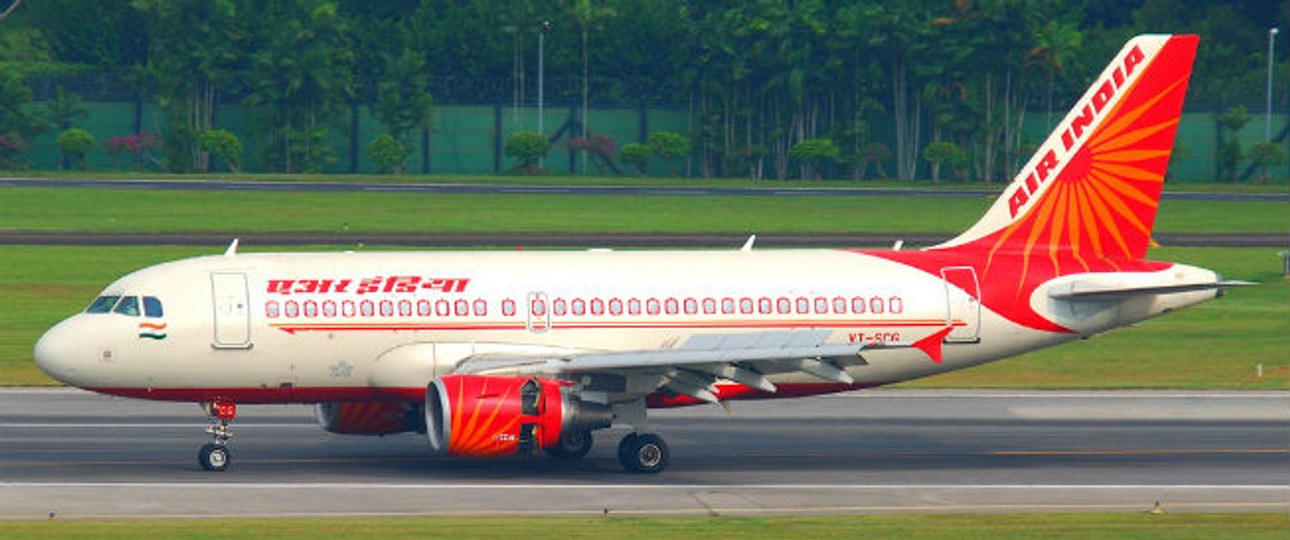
[1215,345]
[165,210]
[1276,186]
[922,526]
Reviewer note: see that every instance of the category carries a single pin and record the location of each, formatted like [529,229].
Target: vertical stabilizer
[1091,190]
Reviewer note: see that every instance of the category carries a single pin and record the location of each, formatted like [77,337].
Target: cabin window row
[855,305]
[372,308]
[578,307]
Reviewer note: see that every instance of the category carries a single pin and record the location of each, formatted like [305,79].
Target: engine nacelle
[480,415]
[369,417]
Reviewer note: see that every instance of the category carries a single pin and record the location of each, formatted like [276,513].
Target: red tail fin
[1091,190]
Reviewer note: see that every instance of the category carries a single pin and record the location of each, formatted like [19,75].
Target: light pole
[542,28]
[1267,122]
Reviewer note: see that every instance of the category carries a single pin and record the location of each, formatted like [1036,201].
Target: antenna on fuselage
[749,243]
[232,248]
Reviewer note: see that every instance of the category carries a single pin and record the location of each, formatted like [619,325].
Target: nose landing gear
[215,456]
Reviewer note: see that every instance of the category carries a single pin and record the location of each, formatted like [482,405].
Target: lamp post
[542,28]
[1267,122]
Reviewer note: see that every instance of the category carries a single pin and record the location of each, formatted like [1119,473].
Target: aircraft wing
[694,367]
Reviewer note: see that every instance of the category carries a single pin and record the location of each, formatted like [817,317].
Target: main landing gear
[643,453]
[215,456]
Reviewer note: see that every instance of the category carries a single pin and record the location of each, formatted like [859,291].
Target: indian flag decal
[152,330]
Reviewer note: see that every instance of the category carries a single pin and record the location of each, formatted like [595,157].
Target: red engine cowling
[369,418]
[480,415]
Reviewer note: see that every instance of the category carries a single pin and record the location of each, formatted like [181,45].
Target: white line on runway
[647,487]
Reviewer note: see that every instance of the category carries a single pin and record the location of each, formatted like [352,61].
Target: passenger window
[102,304]
[129,305]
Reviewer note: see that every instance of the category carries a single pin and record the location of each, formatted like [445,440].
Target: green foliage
[403,103]
[75,144]
[945,154]
[389,153]
[637,155]
[528,147]
[16,114]
[1265,155]
[813,154]
[223,145]
[668,144]
[65,109]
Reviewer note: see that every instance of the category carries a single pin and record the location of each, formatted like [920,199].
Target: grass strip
[927,527]
[144,210]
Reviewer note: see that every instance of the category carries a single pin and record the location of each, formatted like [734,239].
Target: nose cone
[57,353]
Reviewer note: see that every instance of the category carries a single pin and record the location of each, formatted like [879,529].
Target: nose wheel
[215,455]
[643,453]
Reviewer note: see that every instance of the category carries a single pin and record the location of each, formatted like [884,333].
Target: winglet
[748,245]
[931,345]
[232,248]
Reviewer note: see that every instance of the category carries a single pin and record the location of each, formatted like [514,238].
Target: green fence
[467,139]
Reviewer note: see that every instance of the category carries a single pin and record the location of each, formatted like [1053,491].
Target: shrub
[137,146]
[389,153]
[12,145]
[668,144]
[528,147]
[1264,155]
[75,144]
[812,154]
[637,155]
[224,145]
[947,154]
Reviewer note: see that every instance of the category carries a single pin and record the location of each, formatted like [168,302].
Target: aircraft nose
[56,353]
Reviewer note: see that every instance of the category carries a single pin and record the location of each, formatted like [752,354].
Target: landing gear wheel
[572,445]
[643,453]
[214,457]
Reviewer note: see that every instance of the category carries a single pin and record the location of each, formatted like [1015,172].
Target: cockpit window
[102,304]
[152,307]
[128,305]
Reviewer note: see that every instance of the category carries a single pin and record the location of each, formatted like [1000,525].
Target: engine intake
[481,415]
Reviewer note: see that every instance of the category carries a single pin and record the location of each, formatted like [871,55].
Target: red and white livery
[503,353]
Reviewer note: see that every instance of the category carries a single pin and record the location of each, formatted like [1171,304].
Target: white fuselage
[351,326]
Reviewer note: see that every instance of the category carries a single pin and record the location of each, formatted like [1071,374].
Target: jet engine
[481,415]
[369,417]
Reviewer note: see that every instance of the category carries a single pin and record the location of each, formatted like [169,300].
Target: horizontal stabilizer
[1104,291]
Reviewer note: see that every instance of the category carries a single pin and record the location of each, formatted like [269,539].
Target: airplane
[529,352]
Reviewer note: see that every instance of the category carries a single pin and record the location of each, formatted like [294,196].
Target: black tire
[214,457]
[643,453]
[572,445]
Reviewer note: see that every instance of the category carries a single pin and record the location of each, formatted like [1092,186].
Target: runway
[80,455]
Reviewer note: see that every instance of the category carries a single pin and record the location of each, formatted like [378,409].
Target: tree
[202,40]
[1265,155]
[669,145]
[813,155]
[637,155]
[589,16]
[223,145]
[75,144]
[301,74]
[528,147]
[403,102]
[944,153]
[1230,152]
[389,153]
